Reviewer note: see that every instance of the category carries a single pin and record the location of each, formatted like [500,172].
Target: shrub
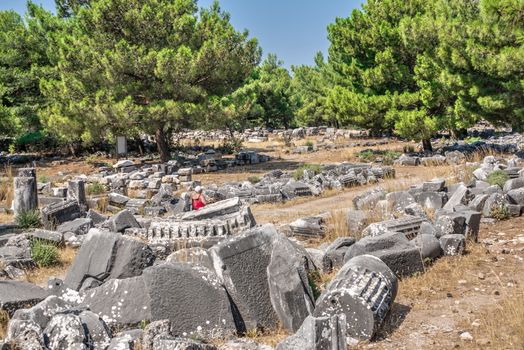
[44,254]
[498,177]
[315,279]
[231,145]
[500,212]
[28,219]
[409,149]
[253,179]
[299,173]
[43,179]
[95,188]
[471,140]
[310,145]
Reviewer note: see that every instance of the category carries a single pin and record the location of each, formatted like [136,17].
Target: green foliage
[28,219]
[498,177]
[471,140]
[231,145]
[298,174]
[44,254]
[132,66]
[310,145]
[44,179]
[387,157]
[95,188]
[253,179]
[315,279]
[500,212]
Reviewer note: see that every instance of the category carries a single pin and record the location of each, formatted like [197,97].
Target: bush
[387,157]
[299,173]
[43,179]
[28,219]
[498,177]
[471,140]
[95,188]
[500,212]
[310,145]
[230,146]
[253,179]
[44,254]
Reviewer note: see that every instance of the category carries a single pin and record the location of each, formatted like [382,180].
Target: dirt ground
[474,301]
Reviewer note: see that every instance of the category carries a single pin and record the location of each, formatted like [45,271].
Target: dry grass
[6,186]
[271,338]
[337,226]
[65,259]
[102,204]
[6,218]
[429,283]
[4,320]
[503,326]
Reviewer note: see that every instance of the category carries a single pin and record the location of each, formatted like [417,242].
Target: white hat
[198,189]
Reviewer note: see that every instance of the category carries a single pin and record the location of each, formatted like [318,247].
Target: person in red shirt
[198,201]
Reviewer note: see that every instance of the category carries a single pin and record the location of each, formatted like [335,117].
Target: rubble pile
[182,280]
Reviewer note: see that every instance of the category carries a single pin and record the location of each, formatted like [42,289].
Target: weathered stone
[65,332]
[241,263]
[106,255]
[199,305]
[308,227]
[513,184]
[194,256]
[431,200]
[458,197]
[160,328]
[94,259]
[364,291]
[122,221]
[15,295]
[429,246]
[436,185]
[42,312]
[289,289]
[98,334]
[450,223]
[120,302]
[478,202]
[318,333]
[52,237]
[78,226]
[117,199]
[393,248]
[356,220]
[96,217]
[494,206]
[397,201]
[369,199]
[76,191]
[57,213]
[127,340]
[169,343]
[335,252]
[408,225]
[516,196]
[25,334]
[243,344]
[25,195]
[453,244]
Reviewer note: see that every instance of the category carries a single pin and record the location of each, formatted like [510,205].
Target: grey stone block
[453,244]
[369,199]
[516,196]
[434,185]
[450,223]
[98,334]
[131,258]
[96,217]
[65,332]
[25,195]
[168,343]
[494,203]
[241,264]
[117,199]
[199,305]
[513,184]
[478,202]
[78,226]
[57,213]
[122,221]
[460,196]
[394,249]
[431,200]
[289,289]
[52,237]
[15,295]
[318,333]
[429,246]
[335,252]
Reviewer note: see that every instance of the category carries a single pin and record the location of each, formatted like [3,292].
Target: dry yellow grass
[6,186]
[40,276]
[6,218]
[503,326]
[4,320]
[271,338]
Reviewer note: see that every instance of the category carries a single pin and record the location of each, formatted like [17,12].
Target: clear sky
[293,29]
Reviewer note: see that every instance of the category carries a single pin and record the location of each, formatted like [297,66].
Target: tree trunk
[161,144]
[426,144]
[140,145]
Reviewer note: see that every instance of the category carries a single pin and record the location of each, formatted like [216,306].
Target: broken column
[25,193]
[364,291]
[76,191]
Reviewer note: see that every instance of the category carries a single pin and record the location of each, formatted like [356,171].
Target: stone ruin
[215,273]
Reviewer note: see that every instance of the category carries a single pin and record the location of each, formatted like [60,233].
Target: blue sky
[293,29]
